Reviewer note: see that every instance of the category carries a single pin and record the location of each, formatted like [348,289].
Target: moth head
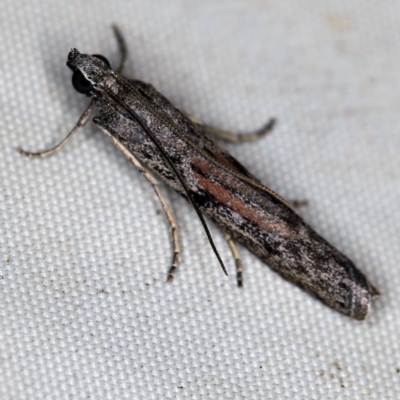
[88,70]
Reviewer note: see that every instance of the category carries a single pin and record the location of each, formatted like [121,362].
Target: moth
[161,140]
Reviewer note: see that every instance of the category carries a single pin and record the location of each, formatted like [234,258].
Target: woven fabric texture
[85,310]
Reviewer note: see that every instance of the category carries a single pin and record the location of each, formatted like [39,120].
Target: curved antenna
[174,169]
[190,142]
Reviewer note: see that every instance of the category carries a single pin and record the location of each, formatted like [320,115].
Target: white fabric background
[84,249]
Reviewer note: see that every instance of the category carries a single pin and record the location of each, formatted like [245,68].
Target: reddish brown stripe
[227,197]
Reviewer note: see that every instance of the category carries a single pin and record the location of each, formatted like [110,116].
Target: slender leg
[81,122]
[237,138]
[174,233]
[299,203]
[122,48]
[245,137]
[174,228]
[238,261]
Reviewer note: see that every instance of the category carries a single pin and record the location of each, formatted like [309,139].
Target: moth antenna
[210,157]
[123,49]
[178,175]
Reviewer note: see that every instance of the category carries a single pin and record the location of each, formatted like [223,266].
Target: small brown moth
[158,138]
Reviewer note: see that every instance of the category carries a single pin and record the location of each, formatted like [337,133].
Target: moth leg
[81,122]
[237,138]
[123,50]
[174,233]
[299,203]
[174,228]
[238,261]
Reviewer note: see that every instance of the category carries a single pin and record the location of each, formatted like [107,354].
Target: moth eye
[80,83]
[102,58]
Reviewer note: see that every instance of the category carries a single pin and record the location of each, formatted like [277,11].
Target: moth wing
[197,133]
